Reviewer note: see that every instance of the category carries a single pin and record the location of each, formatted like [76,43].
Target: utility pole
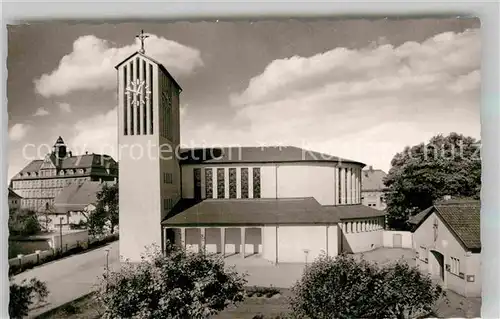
[60,233]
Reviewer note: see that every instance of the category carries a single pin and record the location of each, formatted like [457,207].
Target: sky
[358,89]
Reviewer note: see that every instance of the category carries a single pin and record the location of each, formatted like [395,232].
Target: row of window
[363,225]
[168,178]
[36,204]
[53,172]
[132,108]
[49,183]
[344,191]
[221,185]
[40,193]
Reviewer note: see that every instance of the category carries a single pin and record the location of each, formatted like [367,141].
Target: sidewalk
[71,277]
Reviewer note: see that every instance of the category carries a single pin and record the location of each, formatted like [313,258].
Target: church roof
[249,212]
[75,197]
[357,211]
[153,61]
[249,154]
[373,180]
[462,217]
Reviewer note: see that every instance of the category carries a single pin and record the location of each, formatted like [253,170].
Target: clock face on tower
[138,91]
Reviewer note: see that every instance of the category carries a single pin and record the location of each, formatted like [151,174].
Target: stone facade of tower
[148,137]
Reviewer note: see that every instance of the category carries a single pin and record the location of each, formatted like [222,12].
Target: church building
[283,204]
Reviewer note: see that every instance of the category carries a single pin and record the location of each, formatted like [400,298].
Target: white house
[448,245]
[285,204]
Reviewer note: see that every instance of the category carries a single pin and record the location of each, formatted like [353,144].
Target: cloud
[97,134]
[90,65]
[364,104]
[441,58]
[65,107]
[41,111]
[18,131]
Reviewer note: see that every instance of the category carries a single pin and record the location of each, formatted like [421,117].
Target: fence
[24,262]
[69,240]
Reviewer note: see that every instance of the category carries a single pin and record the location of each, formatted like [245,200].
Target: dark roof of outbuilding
[257,212]
[461,217]
[373,180]
[255,154]
[345,212]
[75,197]
[13,194]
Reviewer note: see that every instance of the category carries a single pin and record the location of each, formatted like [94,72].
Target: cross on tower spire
[141,36]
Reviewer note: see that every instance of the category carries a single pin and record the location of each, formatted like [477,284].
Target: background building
[372,191]
[42,180]
[14,200]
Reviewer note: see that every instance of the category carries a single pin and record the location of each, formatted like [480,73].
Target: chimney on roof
[70,153]
[86,152]
[370,168]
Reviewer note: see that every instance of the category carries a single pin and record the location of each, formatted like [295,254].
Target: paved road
[71,277]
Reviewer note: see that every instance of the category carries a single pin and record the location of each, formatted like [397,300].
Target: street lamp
[107,267]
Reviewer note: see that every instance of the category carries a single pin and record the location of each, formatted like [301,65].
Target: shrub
[343,287]
[24,295]
[175,285]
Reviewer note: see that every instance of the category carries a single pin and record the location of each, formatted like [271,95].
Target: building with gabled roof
[42,180]
[447,239]
[14,200]
[373,188]
[284,204]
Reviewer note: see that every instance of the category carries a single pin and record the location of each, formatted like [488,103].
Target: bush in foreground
[344,287]
[176,285]
[22,296]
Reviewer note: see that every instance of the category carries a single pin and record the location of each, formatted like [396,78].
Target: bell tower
[148,139]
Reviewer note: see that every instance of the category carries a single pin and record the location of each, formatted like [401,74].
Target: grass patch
[265,308]
[85,307]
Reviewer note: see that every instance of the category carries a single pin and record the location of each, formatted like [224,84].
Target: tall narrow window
[132,109]
[151,117]
[146,97]
[138,104]
[244,183]
[125,101]
[232,183]
[208,183]
[256,182]
[220,183]
[339,185]
[345,185]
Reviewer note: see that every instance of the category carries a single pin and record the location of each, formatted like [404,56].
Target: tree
[424,173]
[23,222]
[175,285]
[344,287]
[22,296]
[106,210]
